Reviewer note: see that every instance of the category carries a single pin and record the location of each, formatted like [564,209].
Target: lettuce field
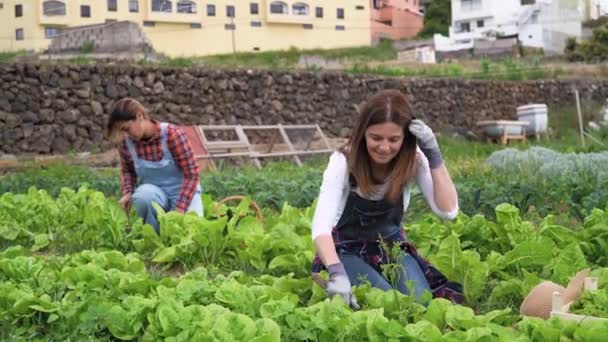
[71,271]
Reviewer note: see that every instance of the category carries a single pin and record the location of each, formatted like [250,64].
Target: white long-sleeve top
[336,187]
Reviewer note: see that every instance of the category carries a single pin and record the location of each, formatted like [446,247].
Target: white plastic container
[536,117]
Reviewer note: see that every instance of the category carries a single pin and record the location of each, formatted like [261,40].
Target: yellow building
[196,27]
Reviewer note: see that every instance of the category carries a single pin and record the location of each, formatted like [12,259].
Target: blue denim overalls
[160,182]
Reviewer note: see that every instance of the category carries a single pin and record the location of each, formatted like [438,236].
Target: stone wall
[56,108]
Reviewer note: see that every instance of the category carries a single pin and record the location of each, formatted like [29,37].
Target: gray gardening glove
[427,142]
[339,284]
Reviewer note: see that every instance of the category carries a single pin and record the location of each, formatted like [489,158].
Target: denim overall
[160,182]
[363,224]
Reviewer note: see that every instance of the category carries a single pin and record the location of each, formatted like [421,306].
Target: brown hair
[384,106]
[125,109]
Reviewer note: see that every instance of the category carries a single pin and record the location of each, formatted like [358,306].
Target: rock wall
[57,108]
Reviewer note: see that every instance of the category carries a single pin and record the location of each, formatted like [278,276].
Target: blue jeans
[146,194]
[359,271]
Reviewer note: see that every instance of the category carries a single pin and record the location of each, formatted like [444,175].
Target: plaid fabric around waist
[374,254]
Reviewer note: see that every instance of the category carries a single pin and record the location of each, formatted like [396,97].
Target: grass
[9,57]
[82,59]
[288,59]
[507,69]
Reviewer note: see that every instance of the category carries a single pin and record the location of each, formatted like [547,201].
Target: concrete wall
[111,37]
[57,108]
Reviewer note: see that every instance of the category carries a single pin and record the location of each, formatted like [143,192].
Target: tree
[437,18]
[592,50]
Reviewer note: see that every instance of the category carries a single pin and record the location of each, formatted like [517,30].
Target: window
[319,12]
[470,5]
[112,5]
[211,10]
[19,34]
[229,27]
[51,32]
[376,4]
[85,11]
[162,6]
[340,13]
[53,8]
[256,24]
[18,11]
[340,27]
[307,26]
[528,2]
[359,8]
[534,18]
[465,27]
[254,8]
[149,23]
[196,25]
[133,6]
[278,7]
[186,7]
[230,11]
[299,9]
[480,23]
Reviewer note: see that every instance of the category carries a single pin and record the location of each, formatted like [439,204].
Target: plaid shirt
[152,150]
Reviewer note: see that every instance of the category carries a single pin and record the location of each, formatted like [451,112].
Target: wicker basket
[252,204]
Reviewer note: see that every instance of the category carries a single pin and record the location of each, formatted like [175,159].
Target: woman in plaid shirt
[365,190]
[157,165]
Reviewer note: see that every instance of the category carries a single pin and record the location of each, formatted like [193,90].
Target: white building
[542,23]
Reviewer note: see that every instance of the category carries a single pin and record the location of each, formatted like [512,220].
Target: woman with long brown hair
[365,190]
[157,164]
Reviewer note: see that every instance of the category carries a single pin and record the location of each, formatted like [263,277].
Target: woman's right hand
[125,201]
[339,284]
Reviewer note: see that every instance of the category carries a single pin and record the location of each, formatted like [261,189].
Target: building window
[211,10]
[340,28]
[229,27]
[85,11]
[254,8]
[162,6]
[230,11]
[278,7]
[361,8]
[149,23]
[112,5]
[19,35]
[480,23]
[133,6]
[534,18]
[465,27]
[256,24]
[319,12]
[376,4]
[196,25]
[51,32]
[18,11]
[340,13]
[51,8]
[299,9]
[307,26]
[186,7]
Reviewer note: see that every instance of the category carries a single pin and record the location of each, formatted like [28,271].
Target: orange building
[395,19]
